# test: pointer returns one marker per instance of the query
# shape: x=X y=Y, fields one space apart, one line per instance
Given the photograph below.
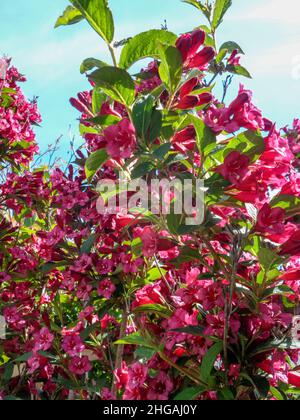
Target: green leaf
x=189 y=394
x=290 y=203
x=157 y=309
x=104 y=120
x=174 y=222
x=116 y=83
x=98 y=15
x=239 y=70
x=141 y=115
x=262 y=386
x=278 y=394
x=144 y=353
x=142 y=169
x=143 y=45
x=170 y=69
x=226 y=395
x=267 y=258
x=231 y=46
x=69 y=17
x=192 y=330
x=98 y=98
x=88 y=244
x=206 y=139
x=91 y=63
x=221 y=7
x=209 y=360
x=94 y=162
x=250 y=143
x=135 y=339
x=155 y=274
x=199 y=6
x=162 y=151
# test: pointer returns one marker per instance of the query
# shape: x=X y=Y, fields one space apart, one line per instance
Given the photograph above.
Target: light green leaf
x=170 y=69
x=230 y=46
x=69 y=17
x=116 y=83
x=239 y=70
x=221 y=7
x=159 y=310
x=249 y=143
x=94 y=162
x=91 y=63
x=290 y=203
x=145 y=44
x=135 y=339
x=206 y=139
x=98 y=15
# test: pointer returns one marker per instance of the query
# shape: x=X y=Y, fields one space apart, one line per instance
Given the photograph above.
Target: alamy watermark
x=2 y=328
x=3 y=68
x=159 y=197
x=296 y=330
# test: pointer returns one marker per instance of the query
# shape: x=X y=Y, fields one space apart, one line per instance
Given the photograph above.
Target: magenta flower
x=121 y=139
x=80 y=365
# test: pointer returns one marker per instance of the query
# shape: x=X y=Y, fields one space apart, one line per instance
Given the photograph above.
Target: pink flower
x=73 y=345
x=294 y=379
x=270 y=220
x=80 y=365
x=137 y=375
x=150 y=241
x=82 y=264
x=189 y=45
x=106 y=288
x=235 y=167
x=292 y=246
x=121 y=375
x=43 y=340
x=160 y=387
x=36 y=362
x=121 y=139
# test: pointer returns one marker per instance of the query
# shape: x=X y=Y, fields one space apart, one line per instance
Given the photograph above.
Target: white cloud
x=283 y=59
x=52 y=60
x=284 y=12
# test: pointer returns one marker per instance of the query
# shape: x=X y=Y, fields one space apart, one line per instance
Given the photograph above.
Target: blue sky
x=268 y=32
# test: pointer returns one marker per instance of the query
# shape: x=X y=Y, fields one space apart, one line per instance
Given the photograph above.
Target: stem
x=120 y=349
x=113 y=55
x=180 y=369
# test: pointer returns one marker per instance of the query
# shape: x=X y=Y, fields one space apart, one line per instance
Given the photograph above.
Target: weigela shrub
x=135 y=305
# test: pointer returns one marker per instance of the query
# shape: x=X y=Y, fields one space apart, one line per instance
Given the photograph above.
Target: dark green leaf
x=142 y=169
x=189 y=394
x=209 y=360
x=88 y=244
